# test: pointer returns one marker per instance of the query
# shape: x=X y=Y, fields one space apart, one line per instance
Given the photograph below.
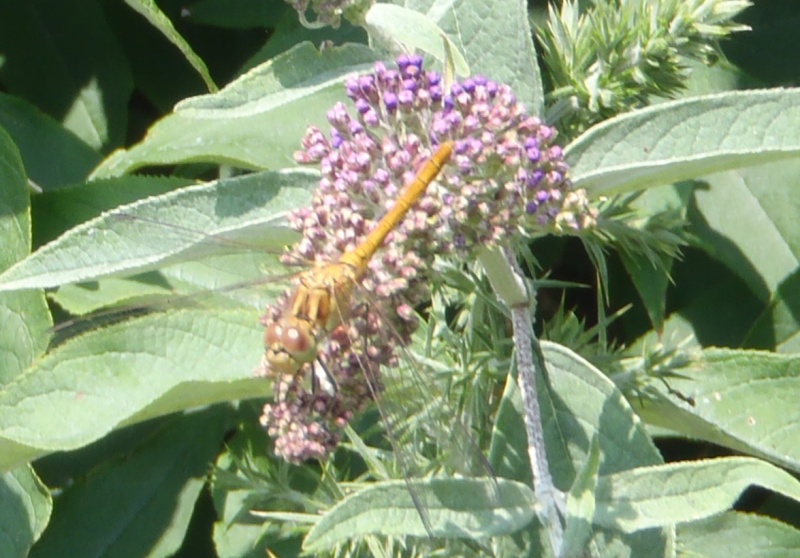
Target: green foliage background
x=112 y=110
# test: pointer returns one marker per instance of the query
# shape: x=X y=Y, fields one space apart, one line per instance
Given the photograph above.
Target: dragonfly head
x=289 y=343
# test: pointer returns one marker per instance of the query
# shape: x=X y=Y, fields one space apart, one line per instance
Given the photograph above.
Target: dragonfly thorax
x=318 y=306
x=323 y=296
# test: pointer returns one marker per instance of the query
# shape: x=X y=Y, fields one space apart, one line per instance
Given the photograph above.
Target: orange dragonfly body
x=321 y=300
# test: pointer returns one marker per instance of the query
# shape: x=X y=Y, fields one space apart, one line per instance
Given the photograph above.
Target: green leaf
x=744 y=400
x=679 y=492
x=24 y=316
x=457 y=508
x=257 y=121
x=194 y=222
x=684 y=139
x=766 y=251
x=497 y=42
x=135 y=370
x=578 y=404
x=56 y=211
x=141 y=504
x=25 y=511
x=239 y=279
x=778 y=324
x=738 y=534
x=413 y=30
x=160 y=363
x=156 y=17
x=581 y=505
x=765 y=254
x=38 y=136
x=63 y=58
x=23 y=336
x=711 y=304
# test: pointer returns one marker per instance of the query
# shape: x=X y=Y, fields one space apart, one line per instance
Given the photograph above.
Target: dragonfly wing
x=228 y=216
x=426 y=434
x=211 y=240
x=422 y=386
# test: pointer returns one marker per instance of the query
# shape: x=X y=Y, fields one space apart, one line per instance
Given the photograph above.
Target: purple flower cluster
x=505 y=175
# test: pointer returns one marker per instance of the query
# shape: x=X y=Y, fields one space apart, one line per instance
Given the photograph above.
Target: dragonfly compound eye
x=272 y=335
x=289 y=346
x=296 y=341
x=293 y=336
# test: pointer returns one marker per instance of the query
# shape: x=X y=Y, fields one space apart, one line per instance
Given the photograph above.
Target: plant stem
x=507 y=281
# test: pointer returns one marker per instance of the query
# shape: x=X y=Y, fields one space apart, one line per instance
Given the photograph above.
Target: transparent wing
x=215 y=240
x=187 y=225
x=420 y=396
x=426 y=433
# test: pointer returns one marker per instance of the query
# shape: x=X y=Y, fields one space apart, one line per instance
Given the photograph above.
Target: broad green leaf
x=578 y=403
x=140 y=505
x=685 y=139
x=64 y=58
x=257 y=121
x=126 y=373
x=160 y=21
x=458 y=508
x=496 y=40
x=61 y=469
x=55 y=212
x=26 y=503
x=738 y=534
x=242 y=279
x=711 y=305
x=38 y=136
x=24 y=513
x=581 y=505
x=778 y=324
x=198 y=221
x=412 y=30
x=657 y=496
x=748 y=220
x=23 y=315
x=744 y=400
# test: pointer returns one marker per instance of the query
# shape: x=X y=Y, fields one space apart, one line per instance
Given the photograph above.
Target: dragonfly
x=320 y=302
x=323 y=297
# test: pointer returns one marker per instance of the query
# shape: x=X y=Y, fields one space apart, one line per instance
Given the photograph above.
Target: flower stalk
x=507 y=281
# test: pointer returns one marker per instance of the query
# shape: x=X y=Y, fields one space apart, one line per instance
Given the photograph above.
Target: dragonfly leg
x=322 y=379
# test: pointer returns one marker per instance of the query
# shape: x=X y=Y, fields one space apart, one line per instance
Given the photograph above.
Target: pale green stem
x=507 y=281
